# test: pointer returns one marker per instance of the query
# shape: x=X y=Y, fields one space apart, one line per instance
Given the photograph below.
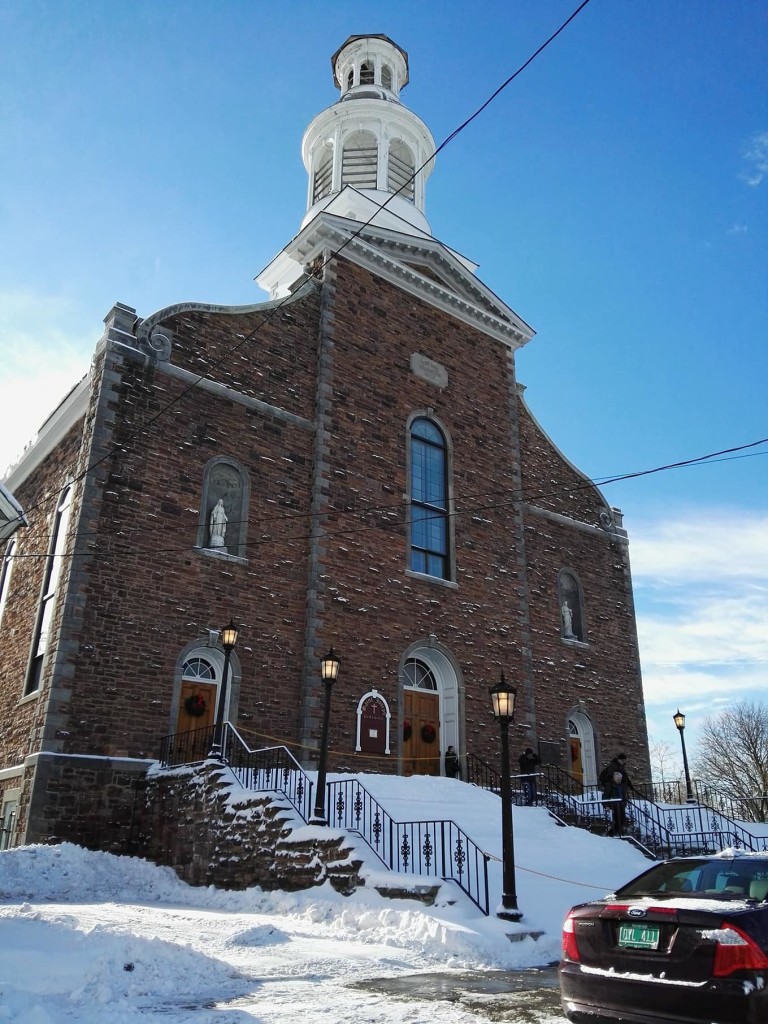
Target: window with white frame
x=418 y=676
x=6 y=571
x=52 y=572
x=8 y=816
x=429 y=526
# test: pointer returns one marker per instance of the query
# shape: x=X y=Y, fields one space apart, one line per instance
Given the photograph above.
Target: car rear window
x=745 y=877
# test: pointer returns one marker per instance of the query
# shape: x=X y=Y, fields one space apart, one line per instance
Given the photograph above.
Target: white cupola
x=362 y=151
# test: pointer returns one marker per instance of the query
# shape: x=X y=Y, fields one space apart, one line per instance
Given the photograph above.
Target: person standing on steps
x=529 y=762
x=452 y=764
x=616 y=786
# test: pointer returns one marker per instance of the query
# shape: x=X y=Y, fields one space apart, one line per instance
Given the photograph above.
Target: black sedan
x=684 y=943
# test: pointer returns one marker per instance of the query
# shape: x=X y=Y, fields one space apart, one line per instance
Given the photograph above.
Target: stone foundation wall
x=93 y=802
x=199 y=822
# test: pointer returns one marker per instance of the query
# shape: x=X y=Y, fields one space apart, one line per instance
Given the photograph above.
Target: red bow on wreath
x=428 y=732
x=407 y=729
x=195 y=705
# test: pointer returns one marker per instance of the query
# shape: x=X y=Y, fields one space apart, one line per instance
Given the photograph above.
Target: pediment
x=420 y=264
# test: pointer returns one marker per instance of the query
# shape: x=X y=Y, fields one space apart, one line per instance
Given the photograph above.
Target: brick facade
x=312 y=399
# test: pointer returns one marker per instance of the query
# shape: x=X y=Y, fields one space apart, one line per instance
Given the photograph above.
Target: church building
x=350 y=464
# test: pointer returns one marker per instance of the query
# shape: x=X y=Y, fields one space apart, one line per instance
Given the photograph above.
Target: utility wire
x=315 y=273
x=516 y=498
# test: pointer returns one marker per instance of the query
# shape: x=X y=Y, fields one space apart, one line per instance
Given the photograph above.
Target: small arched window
x=359 y=160
x=53 y=566
x=323 y=177
x=350 y=79
x=571 y=606
x=400 y=169
x=429 y=499
x=198 y=668
x=366 y=73
x=223 y=525
x=386 y=76
x=418 y=676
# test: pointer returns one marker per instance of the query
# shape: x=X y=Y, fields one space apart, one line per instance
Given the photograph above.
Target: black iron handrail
x=739 y=808
x=270 y=768
x=264 y=770
x=190 y=747
x=437 y=847
x=480 y=773
x=679 y=824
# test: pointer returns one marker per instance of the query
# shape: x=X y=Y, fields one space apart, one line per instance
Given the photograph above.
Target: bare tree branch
x=732 y=753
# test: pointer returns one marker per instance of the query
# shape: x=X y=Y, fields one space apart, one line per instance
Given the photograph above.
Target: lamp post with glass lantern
x=679 y=720
x=329 y=671
x=228 y=639
x=503 y=700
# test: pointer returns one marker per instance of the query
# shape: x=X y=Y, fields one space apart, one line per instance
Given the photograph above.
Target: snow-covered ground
x=96 y=939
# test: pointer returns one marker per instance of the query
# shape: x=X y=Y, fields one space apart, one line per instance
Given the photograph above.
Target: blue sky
x=615 y=195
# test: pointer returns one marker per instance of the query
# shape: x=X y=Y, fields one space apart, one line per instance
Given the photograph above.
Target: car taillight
x=570 y=949
x=736 y=952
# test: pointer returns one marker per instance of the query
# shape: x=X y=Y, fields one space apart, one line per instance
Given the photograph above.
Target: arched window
x=400 y=169
x=223 y=525
x=571 y=606
x=6 y=570
x=323 y=178
x=53 y=566
x=359 y=160
x=386 y=76
x=351 y=79
x=429 y=500
x=418 y=675
x=198 y=668
x=366 y=73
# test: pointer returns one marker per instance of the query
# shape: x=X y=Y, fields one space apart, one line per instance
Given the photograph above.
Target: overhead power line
x=270 y=314
x=330 y=534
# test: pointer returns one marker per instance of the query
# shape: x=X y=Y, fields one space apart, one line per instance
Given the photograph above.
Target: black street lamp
x=679 y=720
x=228 y=638
x=329 y=671
x=503 y=698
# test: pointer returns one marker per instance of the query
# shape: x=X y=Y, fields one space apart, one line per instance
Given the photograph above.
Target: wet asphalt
x=525 y=997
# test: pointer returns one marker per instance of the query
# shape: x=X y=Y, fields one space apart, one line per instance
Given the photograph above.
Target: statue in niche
x=217 y=525
x=567 y=614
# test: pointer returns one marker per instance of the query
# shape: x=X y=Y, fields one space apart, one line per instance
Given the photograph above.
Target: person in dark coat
x=529 y=762
x=616 y=785
x=452 y=764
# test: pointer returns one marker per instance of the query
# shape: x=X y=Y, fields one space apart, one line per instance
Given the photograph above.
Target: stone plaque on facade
x=429 y=370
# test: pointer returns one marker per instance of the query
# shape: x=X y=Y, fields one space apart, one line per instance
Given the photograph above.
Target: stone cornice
x=607 y=529
x=145 y=328
x=388 y=254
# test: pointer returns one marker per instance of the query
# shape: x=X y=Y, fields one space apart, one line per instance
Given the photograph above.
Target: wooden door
x=420 y=755
x=206 y=693
x=577 y=768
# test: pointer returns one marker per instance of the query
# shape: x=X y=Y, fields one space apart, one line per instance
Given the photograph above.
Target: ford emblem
x=636 y=912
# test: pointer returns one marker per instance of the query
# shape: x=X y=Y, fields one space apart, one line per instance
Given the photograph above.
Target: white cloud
x=756 y=159
x=714 y=545
x=737 y=229
x=701 y=592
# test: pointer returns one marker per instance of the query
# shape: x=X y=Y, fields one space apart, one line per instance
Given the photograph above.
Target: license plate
x=639 y=936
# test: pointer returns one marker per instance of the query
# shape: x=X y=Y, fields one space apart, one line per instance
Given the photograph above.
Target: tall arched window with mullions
x=429 y=520
x=51 y=573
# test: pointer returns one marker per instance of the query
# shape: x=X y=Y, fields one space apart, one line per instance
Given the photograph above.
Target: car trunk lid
x=670 y=940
